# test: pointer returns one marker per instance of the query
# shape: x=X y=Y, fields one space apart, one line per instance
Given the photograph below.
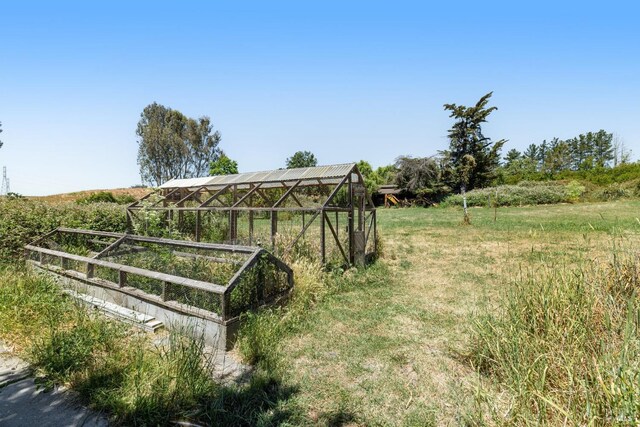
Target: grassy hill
x=72 y=197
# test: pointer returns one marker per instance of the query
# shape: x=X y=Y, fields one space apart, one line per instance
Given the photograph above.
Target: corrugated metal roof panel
x=318 y=172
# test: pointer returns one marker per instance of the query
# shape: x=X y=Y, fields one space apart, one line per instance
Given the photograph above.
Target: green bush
x=610 y=192
x=23 y=220
x=106 y=197
x=525 y=193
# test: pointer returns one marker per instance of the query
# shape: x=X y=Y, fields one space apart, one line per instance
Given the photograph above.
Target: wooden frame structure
x=317 y=194
x=49 y=256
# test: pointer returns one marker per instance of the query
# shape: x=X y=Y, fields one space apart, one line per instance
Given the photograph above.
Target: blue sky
x=345 y=80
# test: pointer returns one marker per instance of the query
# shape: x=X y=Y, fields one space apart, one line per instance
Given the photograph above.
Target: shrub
x=525 y=193
x=23 y=220
x=609 y=193
x=106 y=197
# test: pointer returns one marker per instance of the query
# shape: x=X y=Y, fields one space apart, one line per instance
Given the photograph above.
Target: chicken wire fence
x=223 y=280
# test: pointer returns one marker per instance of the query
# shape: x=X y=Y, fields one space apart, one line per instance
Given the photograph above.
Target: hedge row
x=23 y=220
x=525 y=193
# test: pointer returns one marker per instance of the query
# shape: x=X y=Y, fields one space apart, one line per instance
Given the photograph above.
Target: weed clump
x=566 y=345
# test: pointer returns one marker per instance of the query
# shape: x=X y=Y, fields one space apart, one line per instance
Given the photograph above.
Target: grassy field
x=392 y=348
x=395 y=344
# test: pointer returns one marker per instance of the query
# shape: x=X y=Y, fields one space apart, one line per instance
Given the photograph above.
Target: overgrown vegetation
x=106 y=197
x=564 y=343
x=391 y=344
x=23 y=220
x=525 y=193
x=120 y=371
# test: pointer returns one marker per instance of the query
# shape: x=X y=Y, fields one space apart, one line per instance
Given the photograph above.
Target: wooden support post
x=323 y=248
x=165 y=285
x=90 y=270
x=233 y=219
x=122 y=278
x=351 y=220
x=224 y=309
x=274 y=228
x=250 y=228
x=198 y=220
x=375 y=234
x=129 y=222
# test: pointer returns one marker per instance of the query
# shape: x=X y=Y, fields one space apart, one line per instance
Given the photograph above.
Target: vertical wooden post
x=323 y=249
x=250 y=228
x=375 y=234
x=224 y=309
x=90 y=270
x=233 y=218
x=198 y=220
x=122 y=278
x=351 y=220
x=274 y=228
x=129 y=222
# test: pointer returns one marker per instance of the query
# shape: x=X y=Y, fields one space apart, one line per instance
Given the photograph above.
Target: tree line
x=172 y=145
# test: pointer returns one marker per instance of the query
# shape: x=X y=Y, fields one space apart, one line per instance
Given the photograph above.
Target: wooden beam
x=246 y=196
x=188 y=196
x=215 y=196
x=110 y=247
x=286 y=194
x=164 y=198
x=178 y=280
x=304 y=229
x=335 y=190
x=335 y=236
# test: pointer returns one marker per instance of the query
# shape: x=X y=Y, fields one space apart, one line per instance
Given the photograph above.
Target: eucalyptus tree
x=172 y=145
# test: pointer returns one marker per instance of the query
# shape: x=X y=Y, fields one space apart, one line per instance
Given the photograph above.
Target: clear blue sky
x=345 y=80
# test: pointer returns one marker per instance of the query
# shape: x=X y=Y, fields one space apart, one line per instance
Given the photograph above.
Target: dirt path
x=23 y=403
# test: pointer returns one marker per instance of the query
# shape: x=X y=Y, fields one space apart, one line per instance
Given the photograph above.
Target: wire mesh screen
x=186 y=274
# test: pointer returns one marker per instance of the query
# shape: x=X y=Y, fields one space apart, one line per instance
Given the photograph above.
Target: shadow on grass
x=262 y=401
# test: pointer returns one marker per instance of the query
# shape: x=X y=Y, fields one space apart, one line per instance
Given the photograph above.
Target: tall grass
x=565 y=345
x=120 y=371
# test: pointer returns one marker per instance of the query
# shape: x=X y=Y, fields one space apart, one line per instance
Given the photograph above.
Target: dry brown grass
x=72 y=197
x=391 y=352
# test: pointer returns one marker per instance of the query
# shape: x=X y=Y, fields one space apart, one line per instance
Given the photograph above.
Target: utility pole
x=5 y=189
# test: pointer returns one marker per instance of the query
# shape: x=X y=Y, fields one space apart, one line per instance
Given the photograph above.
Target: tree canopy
x=0 y=132
x=416 y=174
x=472 y=158
x=584 y=152
x=302 y=159
x=171 y=145
x=223 y=166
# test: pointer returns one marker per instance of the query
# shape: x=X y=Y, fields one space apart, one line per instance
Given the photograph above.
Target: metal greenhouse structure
x=320 y=211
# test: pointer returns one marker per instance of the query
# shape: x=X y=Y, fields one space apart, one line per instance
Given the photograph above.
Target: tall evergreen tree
x=531 y=153
x=603 y=150
x=466 y=139
x=512 y=157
